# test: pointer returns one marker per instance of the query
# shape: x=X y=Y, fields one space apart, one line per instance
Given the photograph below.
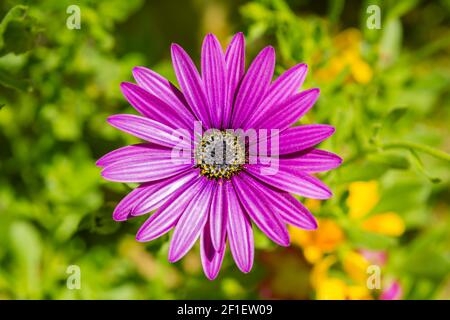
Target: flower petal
x=294 y=181
x=393 y=292
x=235 y=62
x=149 y=196
x=163 y=89
x=191 y=223
x=239 y=230
x=137 y=150
x=164 y=190
x=254 y=202
x=303 y=137
x=284 y=114
x=150 y=130
x=166 y=217
x=280 y=90
x=145 y=169
x=191 y=84
x=254 y=86
x=153 y=107
x=218 y=217
x=214 y=77
x=289 y=208
x=312 y=161
x=211 y=259
x=123 y=209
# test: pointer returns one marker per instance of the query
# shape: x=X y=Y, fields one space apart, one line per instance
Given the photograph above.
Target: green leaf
x=9 y=81
x=363 y=171
x=394 y=161
x=27 y=247
x=335 y=8
x=420 y=166
x=17 y=31
x=395 y=115
x=401 y=8
x=368 y=240
x=391 y=41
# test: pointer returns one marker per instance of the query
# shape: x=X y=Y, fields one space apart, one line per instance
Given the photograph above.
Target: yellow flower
x=317 y=242
x=363 y=197
x=332 y=288
x=347 y=45
x=348 y=39
x=355 y=265
x=358 y=292
x=313 y=204
x=361 y=71
x=388 y=223
x=320 y=270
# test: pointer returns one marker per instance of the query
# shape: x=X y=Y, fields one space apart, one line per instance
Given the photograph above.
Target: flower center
x=220 y=154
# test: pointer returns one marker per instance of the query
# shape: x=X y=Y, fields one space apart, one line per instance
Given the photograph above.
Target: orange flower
x=318 y=242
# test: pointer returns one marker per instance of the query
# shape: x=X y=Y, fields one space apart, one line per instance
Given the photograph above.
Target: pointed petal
x=134 y=151
x=214 y=77
x=280 y=90
x=167 y=216
x=164 y=90
x=191 y=84
x=235 y=61
x=312 y=161
x=149 y=130
x=286 y=113
x=211 y=259
x=289 y=208
x=294 y=181
x=303 y=137
x=145 y=169
x=258 y=209
x=218 y=217
x=149 y=196
x=254 y=86
x=239 y=230
x=153 y=107
x=191 y=223
x=123 y=209
x=162 y=191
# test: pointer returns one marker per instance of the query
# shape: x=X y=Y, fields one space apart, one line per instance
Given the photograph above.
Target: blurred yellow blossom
x=318 y=242
x=356 y=266
x=388 y=223
x=347 y=45
x=320 y=270
x=313 y=204
x=363 y=197
x=333 y=288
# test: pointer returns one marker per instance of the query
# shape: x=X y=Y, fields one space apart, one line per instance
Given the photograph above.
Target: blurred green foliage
x=57 y=86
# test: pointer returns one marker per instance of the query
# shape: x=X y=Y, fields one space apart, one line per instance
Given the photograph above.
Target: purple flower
x=197 y=193
x=393 y=292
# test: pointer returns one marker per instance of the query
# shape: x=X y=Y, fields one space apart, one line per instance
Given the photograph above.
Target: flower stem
x=419 y=147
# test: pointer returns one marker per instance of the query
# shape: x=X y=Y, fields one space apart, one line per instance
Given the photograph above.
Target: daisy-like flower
x=218 y=191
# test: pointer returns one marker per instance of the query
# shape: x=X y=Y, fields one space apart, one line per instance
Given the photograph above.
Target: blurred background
x=385 y=90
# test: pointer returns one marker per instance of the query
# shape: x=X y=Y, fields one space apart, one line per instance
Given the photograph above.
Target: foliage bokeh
x=385 y=90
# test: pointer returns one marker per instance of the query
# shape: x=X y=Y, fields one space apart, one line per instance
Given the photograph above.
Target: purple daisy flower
x=218 y=191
